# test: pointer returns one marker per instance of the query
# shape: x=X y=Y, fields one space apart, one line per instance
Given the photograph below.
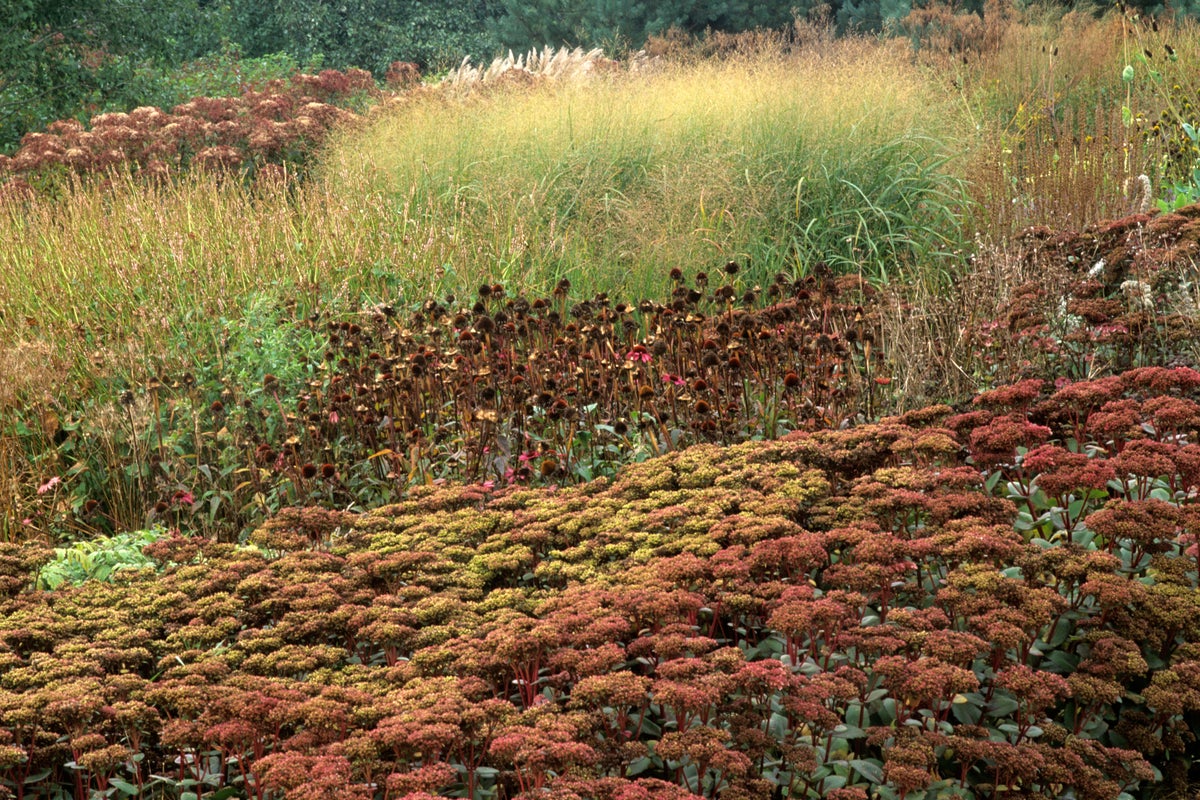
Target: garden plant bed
x=708 y=423
x=983 y=603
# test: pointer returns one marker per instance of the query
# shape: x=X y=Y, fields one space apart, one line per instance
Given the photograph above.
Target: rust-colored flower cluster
x=545 y=390
x=278 y=124
x=498 y=388
x=838 y=613
x=1123 y=296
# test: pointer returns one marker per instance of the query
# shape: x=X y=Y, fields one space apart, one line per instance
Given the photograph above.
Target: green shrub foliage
x=59 y=59
x=538 y=23
x=74 y=59
x=981 y=604
x=368 y=34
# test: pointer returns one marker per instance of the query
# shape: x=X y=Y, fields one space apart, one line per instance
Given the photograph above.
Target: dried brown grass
x=943 y=39
x=30 y=370
x=814 y=34
x=1041 y=111
x=928 y=331
x=1066 y=180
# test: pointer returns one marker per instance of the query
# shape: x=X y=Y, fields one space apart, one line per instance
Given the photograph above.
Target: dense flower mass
x=498 y=389
x=877 y=611
x=277 y=125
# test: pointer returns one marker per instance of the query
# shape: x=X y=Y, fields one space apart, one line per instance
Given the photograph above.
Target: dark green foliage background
x=51 y=62
x=617 y=23
x=77 y=58
x=74 y=58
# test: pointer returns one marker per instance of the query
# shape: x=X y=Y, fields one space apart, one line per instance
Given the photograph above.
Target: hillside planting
x=762 y=416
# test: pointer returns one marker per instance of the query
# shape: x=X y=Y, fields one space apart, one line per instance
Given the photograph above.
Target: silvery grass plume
x=552 y=63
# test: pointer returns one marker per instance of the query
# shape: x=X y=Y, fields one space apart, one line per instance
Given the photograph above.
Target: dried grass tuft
x=29 y=370
x=561 y=64
x=928 y=330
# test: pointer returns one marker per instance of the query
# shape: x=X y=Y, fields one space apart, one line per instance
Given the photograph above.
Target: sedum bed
x=998 y=601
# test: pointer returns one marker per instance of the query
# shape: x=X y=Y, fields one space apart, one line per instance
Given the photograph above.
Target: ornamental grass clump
x=858 y=613
x=772 y=159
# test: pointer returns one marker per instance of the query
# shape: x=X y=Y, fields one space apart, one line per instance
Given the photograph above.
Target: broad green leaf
x=1002 y=705
x=850 y=732
x=1063 y=662
x=967 y=713
x=871 y=769
x=833 y=782
x=126 y=787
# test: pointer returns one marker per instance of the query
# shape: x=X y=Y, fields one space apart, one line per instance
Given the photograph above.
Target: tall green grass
x=120 y=277
x=778 y=162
